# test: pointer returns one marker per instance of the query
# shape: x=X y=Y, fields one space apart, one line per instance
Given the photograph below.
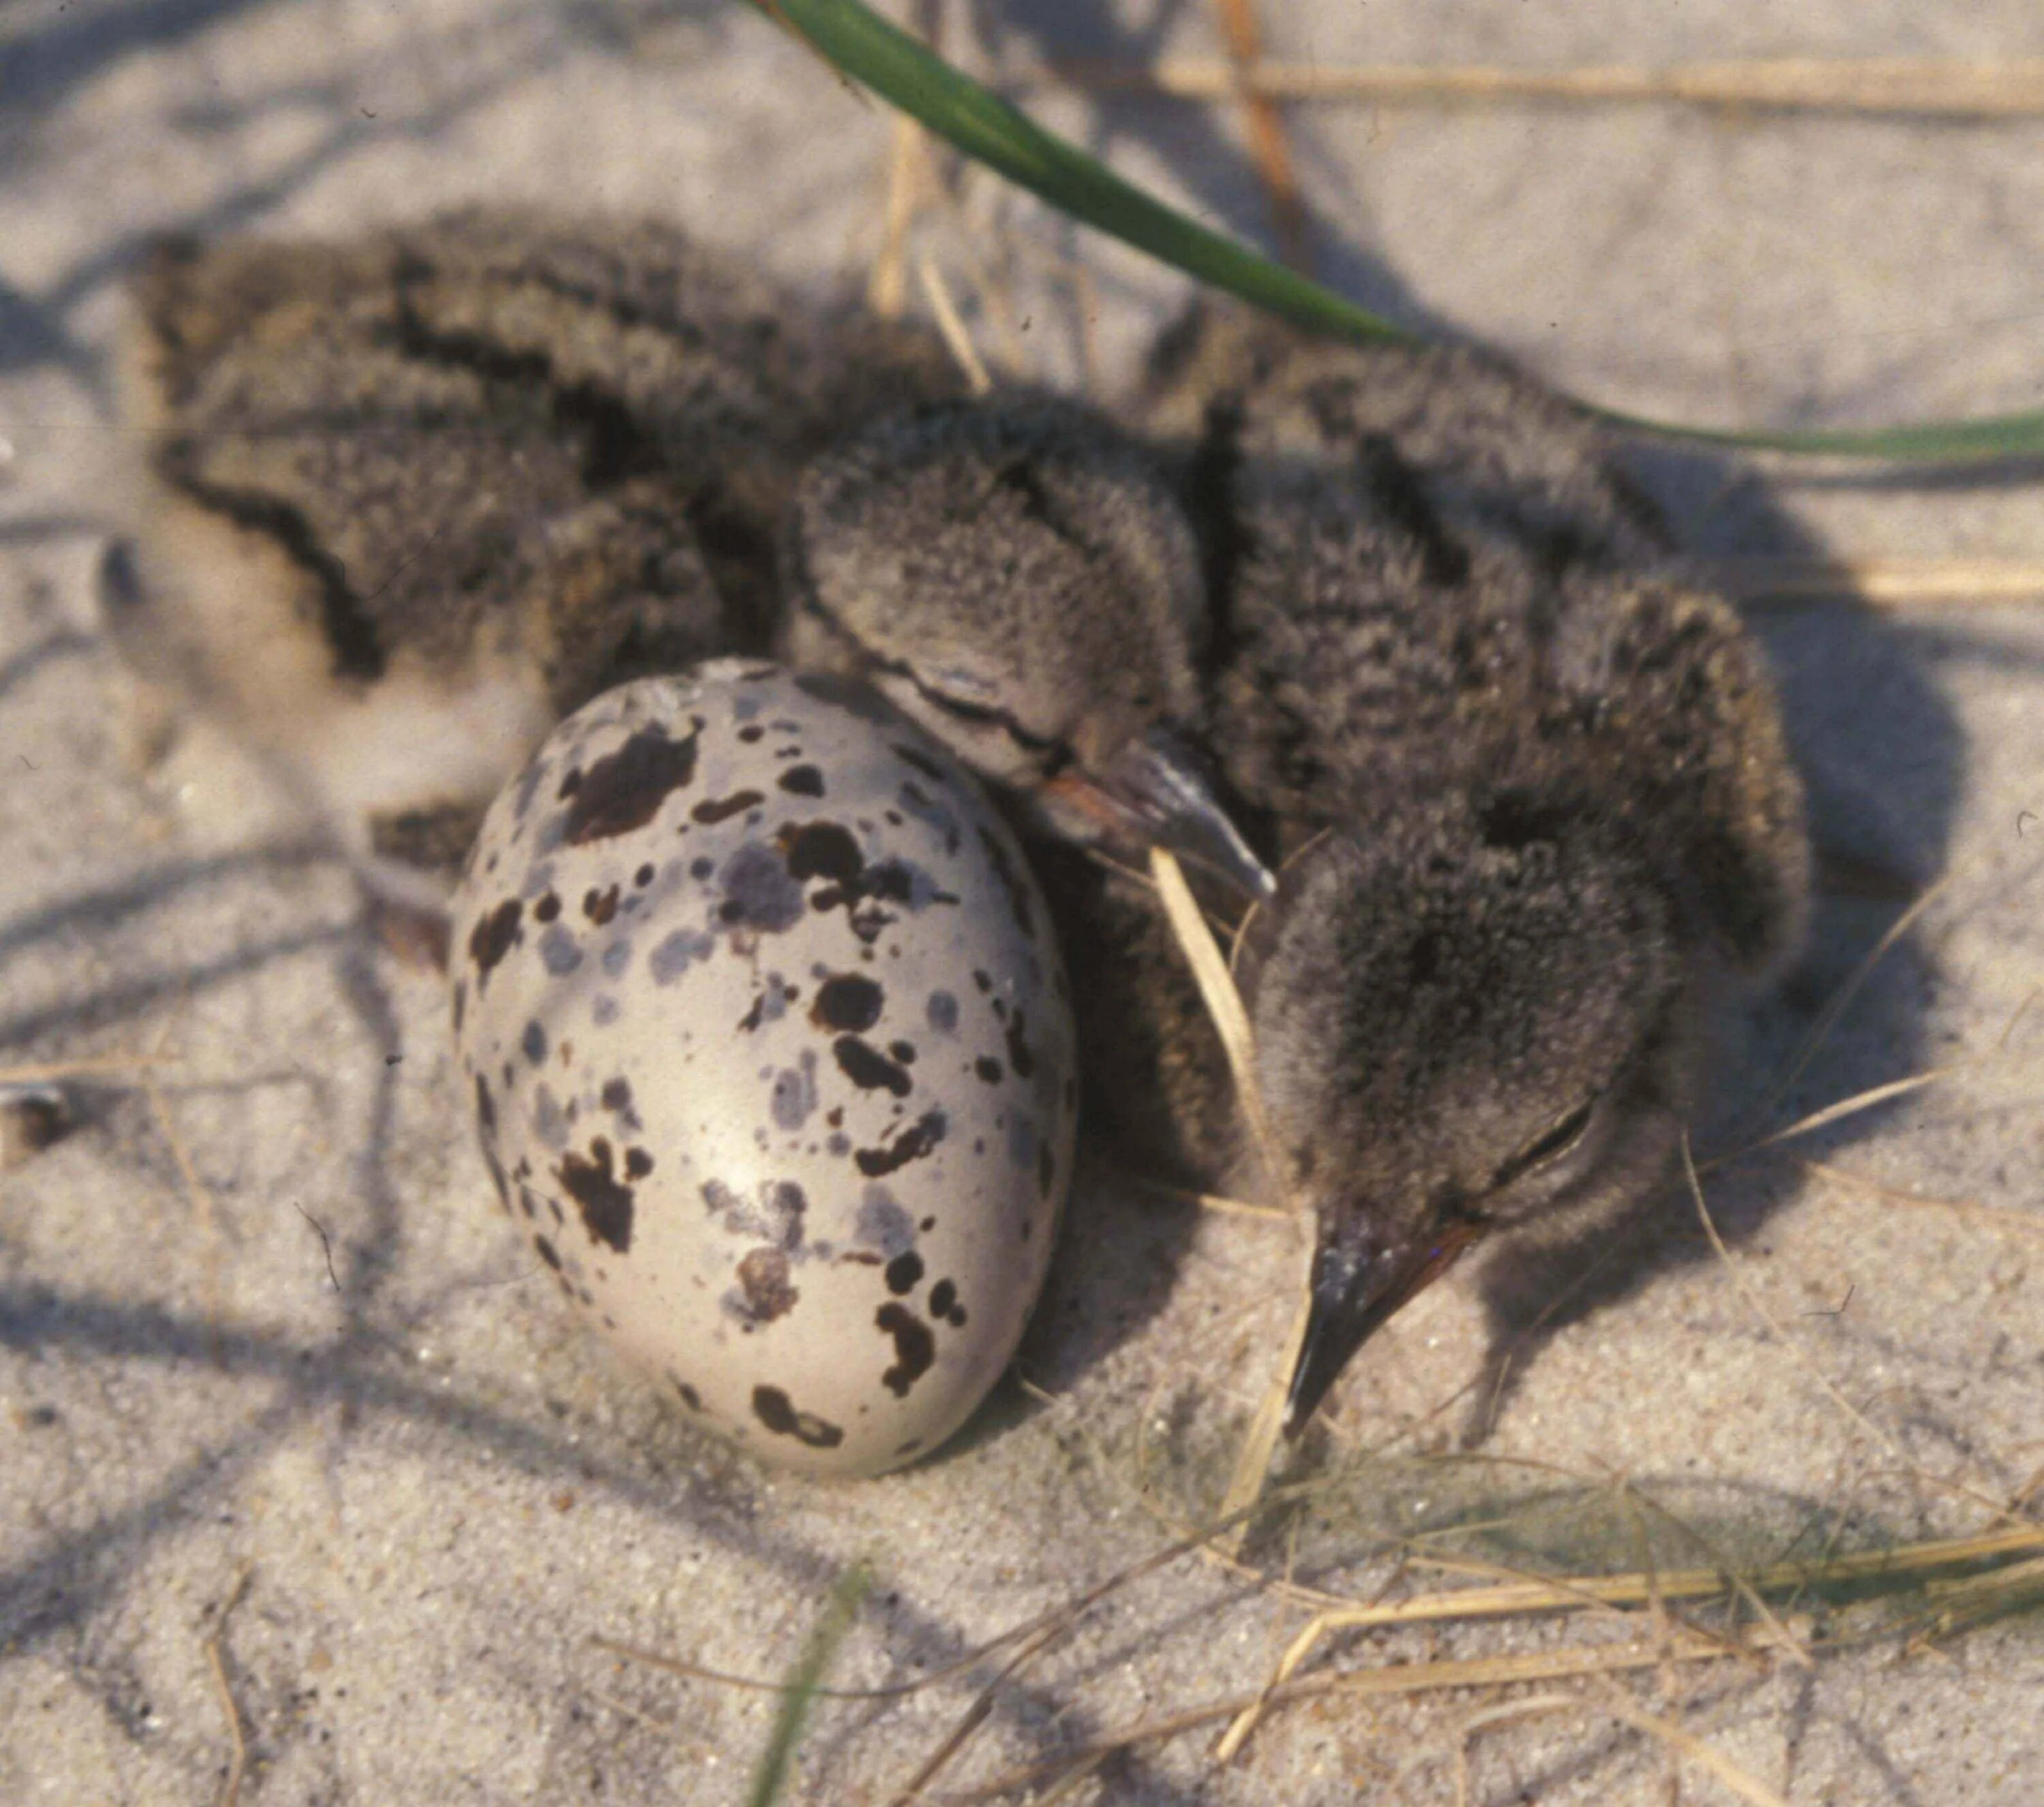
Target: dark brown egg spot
x=763 y=1276
x=903 y=1052
x=751 y=732
x=848 y=1002
x=625 y=790
x=689 y=1397
x=821 y=850
x=915 y=1348
x=486 y=1106
x=494 y=936
x=1019 y=1055
x=547 y=908
x=904 y=1273
x=773 y=1409
x=911 y=1144
x=600 y=906
x=802 y=781
x=868 y=1068
x=988 y=1069
x=617 y=1095
x=943 y=1297
x=638 y=1163
x=721 y=809
x=546 y=1253
x=643 y=876
x=606 y=1202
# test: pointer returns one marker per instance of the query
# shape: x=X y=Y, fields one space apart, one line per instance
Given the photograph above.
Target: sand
x=289 y=1419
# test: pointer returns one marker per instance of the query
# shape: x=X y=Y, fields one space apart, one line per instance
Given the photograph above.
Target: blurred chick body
x=405 y=500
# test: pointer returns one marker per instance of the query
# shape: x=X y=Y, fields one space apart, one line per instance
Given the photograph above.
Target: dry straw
x=2012 y=89
x=1230 y=1020
x=237 y=1762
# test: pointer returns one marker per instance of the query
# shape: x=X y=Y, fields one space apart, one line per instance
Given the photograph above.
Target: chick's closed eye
x=1564 y=1138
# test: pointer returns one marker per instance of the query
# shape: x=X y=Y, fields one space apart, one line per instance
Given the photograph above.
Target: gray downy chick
x=1018 y=575
x=1533 y=786
x=406 y=499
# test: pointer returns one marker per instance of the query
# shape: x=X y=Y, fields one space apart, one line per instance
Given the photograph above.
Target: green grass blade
x=800 y=1688
x=866 y=48
x=1925 y=442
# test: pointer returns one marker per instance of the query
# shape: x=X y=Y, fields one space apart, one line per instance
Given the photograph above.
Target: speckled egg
x=772 y=1055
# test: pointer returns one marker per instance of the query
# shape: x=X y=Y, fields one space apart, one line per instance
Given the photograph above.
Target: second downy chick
x=406 y=499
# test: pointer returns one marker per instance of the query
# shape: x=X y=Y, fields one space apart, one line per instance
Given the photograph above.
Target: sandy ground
x=287 y=1417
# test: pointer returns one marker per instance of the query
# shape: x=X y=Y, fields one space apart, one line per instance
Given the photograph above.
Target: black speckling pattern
x=493 y=937
x=605 y=1201
x=870 y=1070
x=835 y=1143
x=919 y=1139
x=915 y=1348
x=772 y=1408
x=848 y=1002
x=625 y=790
x=713 y=810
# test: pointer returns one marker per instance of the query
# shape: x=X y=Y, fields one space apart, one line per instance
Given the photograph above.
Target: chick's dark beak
x=1354 y=1294
x=1156 y=790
